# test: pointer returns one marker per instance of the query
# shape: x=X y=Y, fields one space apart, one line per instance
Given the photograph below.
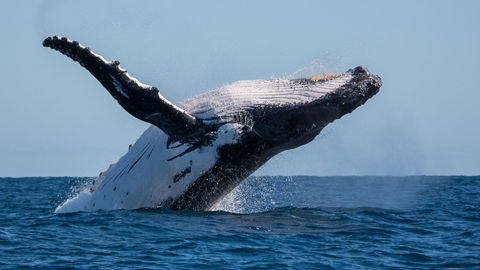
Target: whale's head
x=286 y=113
x=321 y=100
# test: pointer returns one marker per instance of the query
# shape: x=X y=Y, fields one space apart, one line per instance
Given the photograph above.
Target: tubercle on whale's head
x=346 y=98
x=299 y=124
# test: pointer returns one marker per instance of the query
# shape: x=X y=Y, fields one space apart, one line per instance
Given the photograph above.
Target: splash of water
x=320 y=65
x=258 y=194
x=77 y=198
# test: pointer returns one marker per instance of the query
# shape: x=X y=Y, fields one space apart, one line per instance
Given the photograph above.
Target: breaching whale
x=196 y=153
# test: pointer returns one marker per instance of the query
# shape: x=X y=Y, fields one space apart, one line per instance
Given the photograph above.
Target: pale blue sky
x=56 y=119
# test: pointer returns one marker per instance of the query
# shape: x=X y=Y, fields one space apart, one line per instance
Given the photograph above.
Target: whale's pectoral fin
x=142 y=101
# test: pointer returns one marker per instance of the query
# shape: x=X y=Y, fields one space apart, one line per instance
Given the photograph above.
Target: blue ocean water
x=266 y=223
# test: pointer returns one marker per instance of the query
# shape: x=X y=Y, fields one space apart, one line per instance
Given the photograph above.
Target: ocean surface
x=302 y=222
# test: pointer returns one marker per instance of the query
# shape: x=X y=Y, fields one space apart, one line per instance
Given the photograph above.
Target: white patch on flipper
x=118 y=86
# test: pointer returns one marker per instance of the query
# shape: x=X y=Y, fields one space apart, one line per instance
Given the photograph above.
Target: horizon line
x=297 y=175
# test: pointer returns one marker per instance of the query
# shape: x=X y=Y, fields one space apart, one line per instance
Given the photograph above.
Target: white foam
x=75 y=204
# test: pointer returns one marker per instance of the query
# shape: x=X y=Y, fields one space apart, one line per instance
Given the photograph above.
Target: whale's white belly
x=150 y=173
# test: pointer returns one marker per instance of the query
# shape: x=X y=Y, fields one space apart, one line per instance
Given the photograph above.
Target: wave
x=264 y=194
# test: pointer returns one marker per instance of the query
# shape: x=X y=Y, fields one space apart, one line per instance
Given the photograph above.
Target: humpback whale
x=195 y=153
